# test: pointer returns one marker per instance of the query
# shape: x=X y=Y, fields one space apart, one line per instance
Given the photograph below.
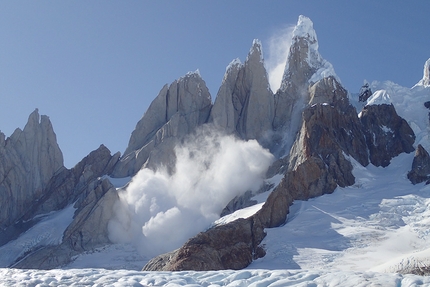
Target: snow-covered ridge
x=380 y=97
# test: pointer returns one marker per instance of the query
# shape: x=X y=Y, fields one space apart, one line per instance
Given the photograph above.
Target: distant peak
x=195 y=73
x=426 y=74
x=425 y=81
x=256 y=49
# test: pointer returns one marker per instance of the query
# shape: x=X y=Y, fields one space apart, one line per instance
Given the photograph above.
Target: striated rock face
x=244 y=104
x=387 y=134
x=93 y=199
x=88 y=229
x=29 y=159
x=420 y=171
x=69 y=186
x=176 y=111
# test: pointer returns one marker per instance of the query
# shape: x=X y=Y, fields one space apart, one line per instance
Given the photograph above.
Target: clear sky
x=94 y=66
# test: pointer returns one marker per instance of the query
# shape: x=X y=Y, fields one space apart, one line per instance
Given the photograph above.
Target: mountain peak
x=305 y=29
x=304 y=63
x=425 y=81
x=256 y=51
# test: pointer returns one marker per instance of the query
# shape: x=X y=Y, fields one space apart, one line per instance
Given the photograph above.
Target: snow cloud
x=279 y=45
x=159 y=211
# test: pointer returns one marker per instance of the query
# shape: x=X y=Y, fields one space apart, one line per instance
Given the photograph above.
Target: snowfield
x=229 y=278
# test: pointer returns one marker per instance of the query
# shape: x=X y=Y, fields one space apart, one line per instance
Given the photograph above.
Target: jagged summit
x=425 y=81
x=305 y=29
x=244 y=103
x=305 y=64
x=256 y=50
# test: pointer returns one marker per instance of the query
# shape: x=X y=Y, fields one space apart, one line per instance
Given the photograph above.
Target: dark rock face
x=229 y=246
x=387 y=134
x=365 y=93
x=420 y=166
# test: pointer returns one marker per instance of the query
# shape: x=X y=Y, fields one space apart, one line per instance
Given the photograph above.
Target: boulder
x=420 y=171
x=230 y=246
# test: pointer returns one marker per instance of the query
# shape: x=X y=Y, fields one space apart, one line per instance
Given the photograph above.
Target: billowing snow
x=380 y=97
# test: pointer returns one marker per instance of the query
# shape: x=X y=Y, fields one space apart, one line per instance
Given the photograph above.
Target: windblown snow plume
x=279 y=46
x=158 y=212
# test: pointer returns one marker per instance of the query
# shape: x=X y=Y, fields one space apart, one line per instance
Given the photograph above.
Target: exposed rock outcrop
x=93 y=198
x=387 y=134
x=229 y=246
x=420 y=171
x=244 y=104
x=29 y=159
x=87 y=231
x=177 y=110
x=365 y=93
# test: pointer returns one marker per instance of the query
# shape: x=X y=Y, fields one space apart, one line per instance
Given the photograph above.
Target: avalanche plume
x=157 y=212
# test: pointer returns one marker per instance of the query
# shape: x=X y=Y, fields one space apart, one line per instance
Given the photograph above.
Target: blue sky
x=94 y=66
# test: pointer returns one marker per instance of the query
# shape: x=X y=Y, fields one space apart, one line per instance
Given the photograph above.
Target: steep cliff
x=177 y=111
x=29 y=159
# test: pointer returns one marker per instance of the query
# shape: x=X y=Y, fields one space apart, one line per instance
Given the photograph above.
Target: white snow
x=380 y=97
x=227 y=278
x=425 y=81
x=382 y=218
x=325 y=70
